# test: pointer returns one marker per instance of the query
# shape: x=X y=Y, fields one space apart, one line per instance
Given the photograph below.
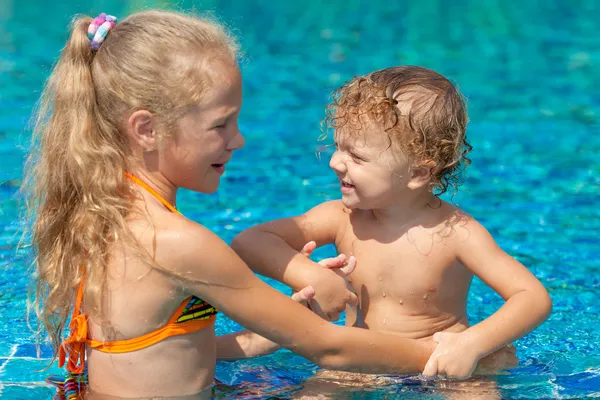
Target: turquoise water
x=530 y=70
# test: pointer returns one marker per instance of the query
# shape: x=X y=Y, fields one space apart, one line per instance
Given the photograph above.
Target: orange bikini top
x=192 y=315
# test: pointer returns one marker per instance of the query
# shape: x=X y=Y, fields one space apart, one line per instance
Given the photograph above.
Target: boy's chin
x=350 y=203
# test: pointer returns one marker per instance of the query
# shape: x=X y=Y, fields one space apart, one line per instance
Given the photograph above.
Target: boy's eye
x=356 y=158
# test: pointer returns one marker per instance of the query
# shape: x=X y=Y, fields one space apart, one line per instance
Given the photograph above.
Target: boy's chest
x=411 y=267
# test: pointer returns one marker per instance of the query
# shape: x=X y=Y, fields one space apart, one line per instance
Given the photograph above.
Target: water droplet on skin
x=384 y=321
x=424 y=296
x=380 y=279
x=401 y=301
x=384 y=294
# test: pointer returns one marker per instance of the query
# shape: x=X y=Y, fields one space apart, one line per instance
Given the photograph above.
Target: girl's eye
x=221 y=125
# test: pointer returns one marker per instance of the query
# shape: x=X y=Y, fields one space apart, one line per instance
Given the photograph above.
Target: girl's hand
x=331 y=287
x=456 y=357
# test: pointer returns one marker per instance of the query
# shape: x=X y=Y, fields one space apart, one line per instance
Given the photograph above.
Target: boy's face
x=373 y=172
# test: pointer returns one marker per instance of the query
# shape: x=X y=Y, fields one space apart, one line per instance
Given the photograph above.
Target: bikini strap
x=73 y=346
x=153 y=192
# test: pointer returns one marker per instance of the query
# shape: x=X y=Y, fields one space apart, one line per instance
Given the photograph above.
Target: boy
x=400 y=143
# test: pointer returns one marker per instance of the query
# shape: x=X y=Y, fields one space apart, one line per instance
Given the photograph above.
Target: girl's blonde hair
x=77 y=196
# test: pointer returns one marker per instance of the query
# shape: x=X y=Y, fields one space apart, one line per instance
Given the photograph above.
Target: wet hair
x=419 y=109
x=77 y=196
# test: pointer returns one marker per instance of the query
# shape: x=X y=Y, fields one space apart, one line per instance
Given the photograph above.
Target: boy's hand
x=332 y=293
x=455 y=357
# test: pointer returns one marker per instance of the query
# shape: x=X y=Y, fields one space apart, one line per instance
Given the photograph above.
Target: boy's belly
x=385 y=316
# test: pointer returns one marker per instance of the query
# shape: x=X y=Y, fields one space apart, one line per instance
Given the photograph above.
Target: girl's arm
x=246 y=344
x=214 y=272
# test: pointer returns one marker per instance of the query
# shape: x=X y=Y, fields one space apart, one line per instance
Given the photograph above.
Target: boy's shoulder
x=443 y=220
x=331 y=216
x=332 y=205
x=455 y=224
x=331 y=209
x=450 y=213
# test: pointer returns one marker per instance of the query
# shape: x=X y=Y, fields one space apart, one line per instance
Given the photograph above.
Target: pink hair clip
x=99 y=28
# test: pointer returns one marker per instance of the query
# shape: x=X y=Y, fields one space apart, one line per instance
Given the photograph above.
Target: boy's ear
x=140 y=128
x=420 y=175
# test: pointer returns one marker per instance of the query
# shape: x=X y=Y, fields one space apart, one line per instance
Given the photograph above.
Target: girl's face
x=196 y=156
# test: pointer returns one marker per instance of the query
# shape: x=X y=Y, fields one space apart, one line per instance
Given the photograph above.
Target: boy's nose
x=337 y=163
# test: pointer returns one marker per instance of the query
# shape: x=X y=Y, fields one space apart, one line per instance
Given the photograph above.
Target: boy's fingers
x=349 y=267
x=308 y=248
x=352 y=300
x=334 y=262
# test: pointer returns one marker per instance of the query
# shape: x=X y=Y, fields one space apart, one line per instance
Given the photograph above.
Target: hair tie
x=99 y=28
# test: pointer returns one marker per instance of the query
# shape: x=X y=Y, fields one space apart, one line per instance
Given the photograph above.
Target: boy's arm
x=243 y=344
x=527 y=304
x=273 y=249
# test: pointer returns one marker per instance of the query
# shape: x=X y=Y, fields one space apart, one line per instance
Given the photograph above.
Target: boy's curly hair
x=418 y=109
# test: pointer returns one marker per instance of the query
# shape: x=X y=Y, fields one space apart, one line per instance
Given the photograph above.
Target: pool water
x=530 y=70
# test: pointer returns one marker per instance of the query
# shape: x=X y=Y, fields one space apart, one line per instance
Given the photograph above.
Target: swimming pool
x=530 y=71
